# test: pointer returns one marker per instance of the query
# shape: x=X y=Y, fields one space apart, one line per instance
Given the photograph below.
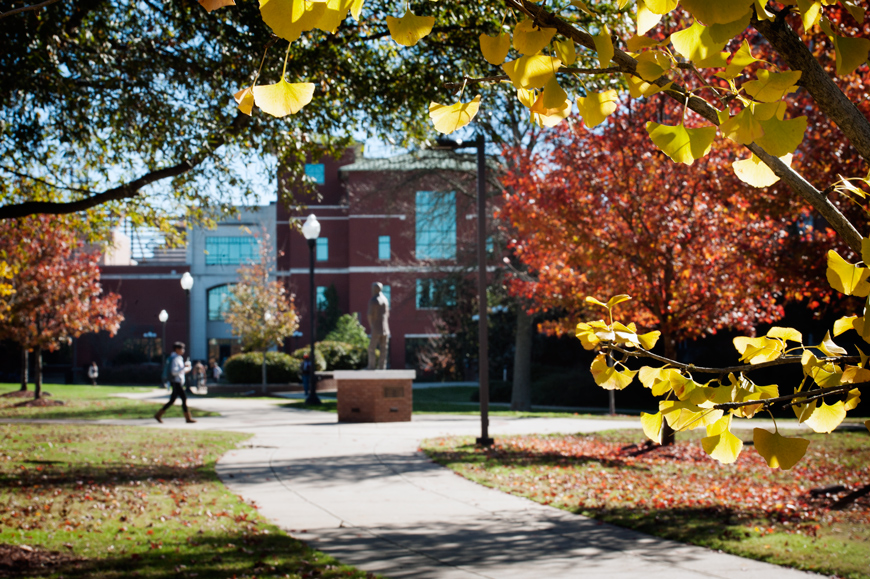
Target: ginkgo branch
x=844 y=228
x=805 y=396
x=641 y=353
x=127 y=190
x=27 y=8
x=454 y=85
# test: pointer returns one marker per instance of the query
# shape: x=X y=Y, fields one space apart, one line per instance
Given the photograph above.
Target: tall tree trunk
x=264 y=371
x=521 y=393
x=37 y=389
x=24 y=363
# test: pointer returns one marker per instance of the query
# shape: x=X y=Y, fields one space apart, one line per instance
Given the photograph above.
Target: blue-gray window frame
x=435 y=225
x=321 y=249
x=231 y=250
x=383 y=247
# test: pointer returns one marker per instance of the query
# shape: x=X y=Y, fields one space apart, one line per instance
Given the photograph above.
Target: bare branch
x=807 y=396
x=127 y=190
x=27 y=8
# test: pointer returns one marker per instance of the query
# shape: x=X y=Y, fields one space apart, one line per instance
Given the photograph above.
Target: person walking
x=178 y=370
x=93 y=373
x=306 y=373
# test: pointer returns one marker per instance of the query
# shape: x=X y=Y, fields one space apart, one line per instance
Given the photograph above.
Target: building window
x=383 y=247
x=436 y=225
x=322 y=246
x=386 y=292
x=315 y=172
x=435 y=293
x=230 y=250
x=218 y=300
x=321 y=301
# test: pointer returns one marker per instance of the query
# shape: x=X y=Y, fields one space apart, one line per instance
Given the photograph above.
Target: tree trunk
x=668 y=435
x=521 y=393
x=37 y=389
x=24 y=363
x=264 y=371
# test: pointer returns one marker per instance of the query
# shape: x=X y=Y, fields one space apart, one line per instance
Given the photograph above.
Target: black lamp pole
x=312 y=383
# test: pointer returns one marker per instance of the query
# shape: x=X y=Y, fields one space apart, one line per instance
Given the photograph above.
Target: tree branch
x=628 y=65
x=828 y=96
x=27 y=8
x=808 y=396
x=641 y=353
x=127 y=190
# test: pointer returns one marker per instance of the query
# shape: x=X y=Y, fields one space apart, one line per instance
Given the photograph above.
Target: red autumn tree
x=57 y=292
x=610 y=214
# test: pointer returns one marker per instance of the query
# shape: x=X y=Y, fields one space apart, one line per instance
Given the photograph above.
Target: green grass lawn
x=132 y=502
x=679 y=493
x=89 y=403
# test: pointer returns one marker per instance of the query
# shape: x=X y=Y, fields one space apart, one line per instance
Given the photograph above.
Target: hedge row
x=282 y=368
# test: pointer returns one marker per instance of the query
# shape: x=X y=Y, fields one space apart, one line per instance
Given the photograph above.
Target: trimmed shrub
x=349 y=330
x=336 y=356
x=246 y=368
x=319 y=360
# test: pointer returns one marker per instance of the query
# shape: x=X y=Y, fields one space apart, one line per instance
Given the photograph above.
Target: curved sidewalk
x=365 y=494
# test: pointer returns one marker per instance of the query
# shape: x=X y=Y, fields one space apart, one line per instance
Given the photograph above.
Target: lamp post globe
x=187 y=282
x=311 y=230
x=163 y=316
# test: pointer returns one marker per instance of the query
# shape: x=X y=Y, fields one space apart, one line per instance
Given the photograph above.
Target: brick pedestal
x=374 y=395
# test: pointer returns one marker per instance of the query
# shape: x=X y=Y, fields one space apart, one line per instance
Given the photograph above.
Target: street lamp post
x=187 y=285
x=311 y=230
x=482 y=329
x=163 y=316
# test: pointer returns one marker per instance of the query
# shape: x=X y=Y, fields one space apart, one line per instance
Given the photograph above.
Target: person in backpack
x=178 y=369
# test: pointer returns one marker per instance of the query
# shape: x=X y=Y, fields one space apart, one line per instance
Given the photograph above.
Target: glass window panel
x=435 y=293
x=316 y=172
x=322 y=249
x=218 y=299
x=384 y=247
x=436 y=225
x=230 y=250
x=321 y=297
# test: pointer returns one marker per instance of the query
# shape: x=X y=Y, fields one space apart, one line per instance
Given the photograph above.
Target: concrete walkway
x=365 y=494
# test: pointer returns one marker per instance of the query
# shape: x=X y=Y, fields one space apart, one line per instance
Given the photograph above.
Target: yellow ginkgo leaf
x=531 y=71
x=855 y=10
x=597 y=106
x=284 y=17
x=553 y=99
x=830 y=348
x=851 y=53
x=826 y=418
x=596 y=301
x=283 y=98
x=772 y=86
x=648 y=340
x=777 y=450
x=758 y=350
x=652 y=426
x=695 y=44
x=811 y=11
x=637 y=87
x=865 y=250
x=683 y=415
x=608 y=377
x=652 y=64
x=681 y=144
x=604 y=46
x=586 y=334
x=495 y=48
x=529 y=39
x=718 y=11
x=356 y=8
x=448 y=118
x=743 y=128
x=566 y=52
x=753 y=171
x=789 y=334
x=781 y=137
x=210 y=5
x=245 y=100
x=553 y=116
x=741 y=59
x=855 y=375
x=637 y=43
x=646 y=18
x=327 y=15
x=845 y=324
x=847 y=278
x=720 y=444
x=660 y=6
x=410 y=28
x=618 y=300
x=853 y=398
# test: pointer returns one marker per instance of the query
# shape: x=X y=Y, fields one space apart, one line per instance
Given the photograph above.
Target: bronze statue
x=379 y=316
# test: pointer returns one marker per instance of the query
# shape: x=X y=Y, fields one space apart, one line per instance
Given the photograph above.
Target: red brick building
x=403 y=221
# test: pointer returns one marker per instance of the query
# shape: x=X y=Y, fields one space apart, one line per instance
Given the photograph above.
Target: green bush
x=319 y=360
x=246 y=368
x=349 y=330
x=336 y=356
